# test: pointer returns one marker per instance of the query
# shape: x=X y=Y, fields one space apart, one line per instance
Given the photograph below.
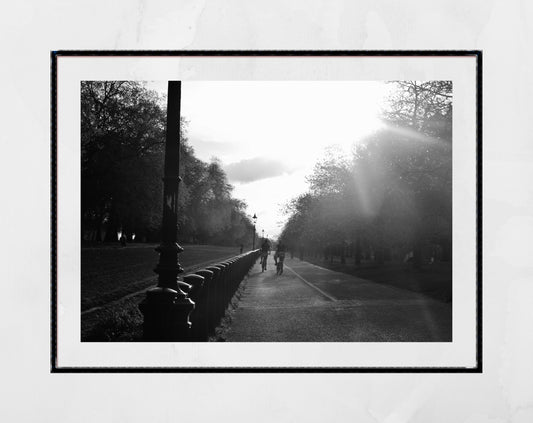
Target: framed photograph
x=266 y=211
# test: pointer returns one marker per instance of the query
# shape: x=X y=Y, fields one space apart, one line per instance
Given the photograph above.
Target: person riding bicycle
x=265 y=251
x=279 y=257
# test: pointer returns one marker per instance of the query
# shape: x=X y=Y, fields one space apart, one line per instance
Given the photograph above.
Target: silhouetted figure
x=280 y=251
x=279 y=257
x=123 y=240
x=265 y=251
x=241 y=248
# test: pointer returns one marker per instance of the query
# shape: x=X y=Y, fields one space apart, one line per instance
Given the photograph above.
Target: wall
x=502 y=29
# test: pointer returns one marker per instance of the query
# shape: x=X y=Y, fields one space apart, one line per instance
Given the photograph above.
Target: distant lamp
x=254 y=218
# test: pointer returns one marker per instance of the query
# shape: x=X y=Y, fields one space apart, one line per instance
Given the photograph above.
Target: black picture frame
x=477 y=54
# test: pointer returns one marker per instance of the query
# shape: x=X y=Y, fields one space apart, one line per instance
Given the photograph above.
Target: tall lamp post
x=263 y=234
x=166 y=307
x=254 y=218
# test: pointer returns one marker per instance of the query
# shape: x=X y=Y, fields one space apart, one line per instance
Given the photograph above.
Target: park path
x=314 y=304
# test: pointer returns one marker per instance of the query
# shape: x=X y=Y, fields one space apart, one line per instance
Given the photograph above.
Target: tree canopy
x=393 y=195
x=123 y=128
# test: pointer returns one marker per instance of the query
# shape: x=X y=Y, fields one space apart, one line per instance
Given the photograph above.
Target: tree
x=121 y=157
x=123 y=128
x=422 y=106
x=394 y=194
x=425 y=108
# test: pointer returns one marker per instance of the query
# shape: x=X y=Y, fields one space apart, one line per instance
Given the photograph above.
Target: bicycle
x=279 y=264
x=263 y=262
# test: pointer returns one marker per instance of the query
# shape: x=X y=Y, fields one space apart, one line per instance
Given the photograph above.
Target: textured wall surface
x=502 y=29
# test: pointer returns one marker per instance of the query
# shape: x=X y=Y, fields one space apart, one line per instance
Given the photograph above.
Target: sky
x=268 y=135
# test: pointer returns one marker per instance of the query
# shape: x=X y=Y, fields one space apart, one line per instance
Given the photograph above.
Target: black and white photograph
x=306 y=211
x=270 y=215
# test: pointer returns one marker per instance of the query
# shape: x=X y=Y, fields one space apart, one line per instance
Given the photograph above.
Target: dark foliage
x=122 y=151
x=393 y=196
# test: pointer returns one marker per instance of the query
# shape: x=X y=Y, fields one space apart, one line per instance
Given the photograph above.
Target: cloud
x=255 y=169
x=204 y=148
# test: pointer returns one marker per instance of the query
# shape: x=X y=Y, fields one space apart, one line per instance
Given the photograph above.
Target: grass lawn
x=110 y=273
x=434 y=280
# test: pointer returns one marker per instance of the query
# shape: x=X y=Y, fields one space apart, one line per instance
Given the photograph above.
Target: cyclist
x=279 y=257
x=265 y=251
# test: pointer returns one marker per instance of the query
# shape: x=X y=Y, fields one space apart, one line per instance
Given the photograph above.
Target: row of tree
x=122 y=153
x=392 y=197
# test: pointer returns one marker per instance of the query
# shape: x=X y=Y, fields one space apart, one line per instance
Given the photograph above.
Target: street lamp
x=263 y=234
x=254 y=218
x=166 y=307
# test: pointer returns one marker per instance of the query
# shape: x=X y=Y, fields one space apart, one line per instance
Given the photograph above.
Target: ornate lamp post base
x=166 y=315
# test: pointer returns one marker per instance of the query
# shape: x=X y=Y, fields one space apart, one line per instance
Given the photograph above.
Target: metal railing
x=210 y=290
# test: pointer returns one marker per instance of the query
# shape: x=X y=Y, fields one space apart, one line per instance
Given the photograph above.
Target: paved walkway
x=310 y=303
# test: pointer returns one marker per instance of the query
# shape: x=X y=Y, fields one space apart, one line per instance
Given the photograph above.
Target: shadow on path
x=309 y=303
